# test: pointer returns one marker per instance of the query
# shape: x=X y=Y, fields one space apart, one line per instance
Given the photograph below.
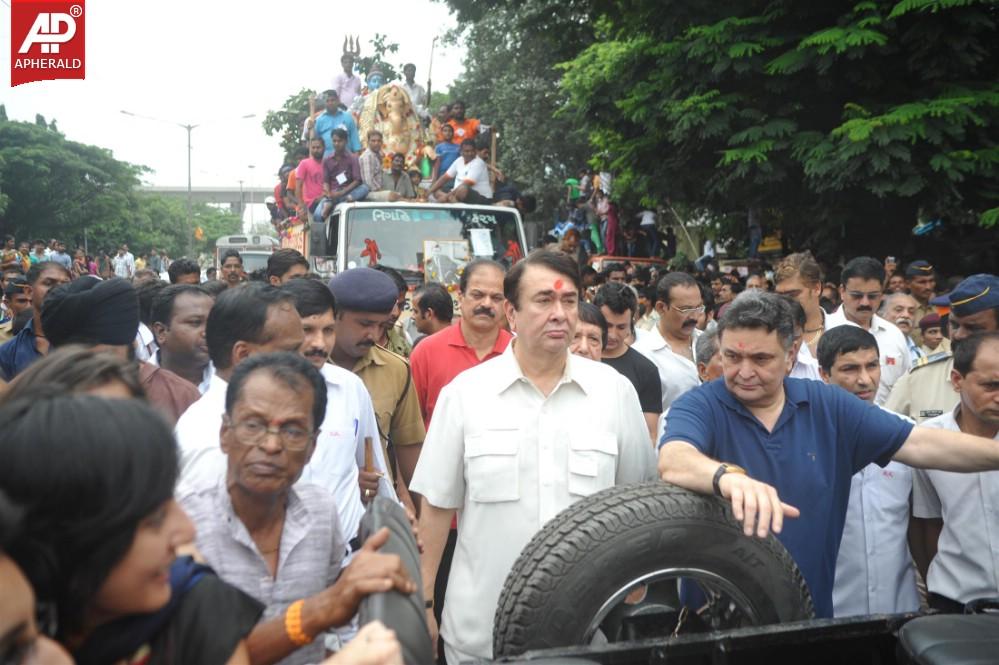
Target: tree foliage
x=837 y=118
x=56 y=188
x=511 y=82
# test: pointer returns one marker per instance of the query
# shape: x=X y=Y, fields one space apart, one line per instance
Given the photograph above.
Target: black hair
x=301 y=151
x=671 y=280
x=558 y=262
x=10 y=523
x=459 y=101
x=468 y=142
x=331 y=92
x=340 y=133
x=530 y=202
x=434 y=296
x=862 y=267
x=375 y=132
x=36 y=270
x=400 y=282
x=590 y=313
x=291 y=369
x=214 y=287
x=161 y=310
x=474 y=265
x=966 y=352
x=74 y=368
x=146 y=291
x=240 y=314
x=843 y=339
x=183 y=266
x=707 y=297
x=617 y=297
x=614 y=267
x=311 y=297
x=283 y=260
x=759 y=309
x=228 y=254
x=83 y=505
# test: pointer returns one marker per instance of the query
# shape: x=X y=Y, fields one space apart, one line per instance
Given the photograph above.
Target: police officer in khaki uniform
x=365 y=299
x=920 y=280
x=926 y=391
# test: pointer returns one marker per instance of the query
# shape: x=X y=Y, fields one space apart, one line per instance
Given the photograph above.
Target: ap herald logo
x=46 y=41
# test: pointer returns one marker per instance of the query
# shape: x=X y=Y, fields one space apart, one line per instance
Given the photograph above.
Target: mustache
x=485 y=311
x=689 y=322
x=865 y=308
x=315 y=353
x=903 y=319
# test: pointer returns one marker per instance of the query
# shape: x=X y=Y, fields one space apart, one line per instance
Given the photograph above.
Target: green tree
x=844 y=123
x=287 y=122
x=381 y=48
x=511 y=83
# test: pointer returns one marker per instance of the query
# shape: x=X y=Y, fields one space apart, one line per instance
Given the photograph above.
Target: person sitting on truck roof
x=447 y=152
x=471 y=179
x=371 y=162
x=341 y=177
x=232 y=268
x=286 y=264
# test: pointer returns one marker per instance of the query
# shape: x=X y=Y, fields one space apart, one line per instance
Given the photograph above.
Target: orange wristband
x=293 y=624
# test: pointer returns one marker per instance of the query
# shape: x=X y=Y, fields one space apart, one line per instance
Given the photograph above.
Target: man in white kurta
x=514 y=441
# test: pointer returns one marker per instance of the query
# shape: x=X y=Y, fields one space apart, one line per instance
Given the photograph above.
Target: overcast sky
x=210 y=62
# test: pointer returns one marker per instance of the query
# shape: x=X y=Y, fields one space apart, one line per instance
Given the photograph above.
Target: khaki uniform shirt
x=926 y=391
x=5 y=334
x=387 y=377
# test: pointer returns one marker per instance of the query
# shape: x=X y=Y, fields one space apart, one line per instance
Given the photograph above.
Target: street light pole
x=189 y=128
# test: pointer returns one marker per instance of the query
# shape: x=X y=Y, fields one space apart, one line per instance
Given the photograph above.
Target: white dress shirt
x=895 y=358
x=677 y=373
x=509 y=459
x=340 y=446
x=874 y=571
x=806 y=366
x=145 y=343
x=966 y=566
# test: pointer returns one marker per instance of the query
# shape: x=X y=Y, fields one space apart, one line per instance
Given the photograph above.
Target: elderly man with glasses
x=861 y=288
x=670 y=345
x=275 y=540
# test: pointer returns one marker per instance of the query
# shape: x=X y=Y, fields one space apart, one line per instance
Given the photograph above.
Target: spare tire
x=571 y=578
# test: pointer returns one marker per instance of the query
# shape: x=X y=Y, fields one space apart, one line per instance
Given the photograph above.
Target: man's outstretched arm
x=755 y=504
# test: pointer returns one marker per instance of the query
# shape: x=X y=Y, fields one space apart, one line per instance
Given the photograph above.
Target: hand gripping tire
x=609 y=542
x=406 y=615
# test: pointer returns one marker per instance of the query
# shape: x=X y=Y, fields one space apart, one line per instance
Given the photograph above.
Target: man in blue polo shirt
x=30 y=344
x=335 y=118
x=789 y=447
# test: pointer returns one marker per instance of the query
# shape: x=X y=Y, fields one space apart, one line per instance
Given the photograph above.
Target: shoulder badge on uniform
x=931 y=359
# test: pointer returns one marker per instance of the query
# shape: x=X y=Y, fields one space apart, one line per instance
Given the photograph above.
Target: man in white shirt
x=339 y=459
x=670 y=345
x=471 y=179
x=254 y=318
x=805 y=365
x=874 y=571
x=417 y=94
x=861 y=289
x=123 y=263
x=514 y=441
x=960 y=534
x=900 y=309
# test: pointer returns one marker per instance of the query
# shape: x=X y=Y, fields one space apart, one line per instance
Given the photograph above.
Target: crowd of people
x=210 y=447
x=332 y=166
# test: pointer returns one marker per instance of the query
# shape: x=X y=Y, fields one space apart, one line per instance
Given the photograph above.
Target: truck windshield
x=436 y=242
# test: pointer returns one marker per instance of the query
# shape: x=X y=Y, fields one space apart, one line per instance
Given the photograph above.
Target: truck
x=423 y=241
x=253 y=248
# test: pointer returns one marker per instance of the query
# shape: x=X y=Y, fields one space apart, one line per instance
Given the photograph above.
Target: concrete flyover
x=235 y=197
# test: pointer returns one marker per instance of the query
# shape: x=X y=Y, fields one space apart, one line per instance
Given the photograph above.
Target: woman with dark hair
x=95 y=478
x=21 y=640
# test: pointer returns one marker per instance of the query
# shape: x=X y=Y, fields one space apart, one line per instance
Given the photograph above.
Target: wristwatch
x=722 y=470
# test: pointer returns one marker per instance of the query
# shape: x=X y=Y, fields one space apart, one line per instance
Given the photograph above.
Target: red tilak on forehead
x=740 y=345
x=558 y=284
